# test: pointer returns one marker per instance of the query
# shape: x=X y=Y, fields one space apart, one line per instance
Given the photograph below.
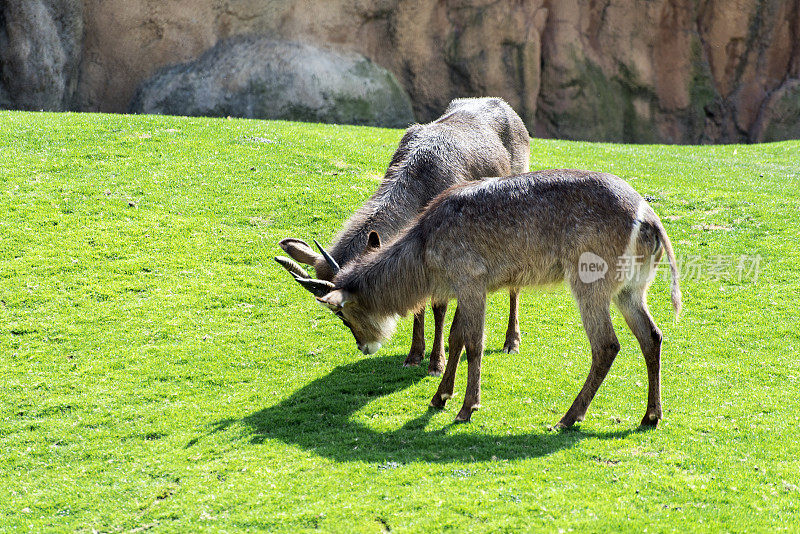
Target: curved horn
x=319 y=288
x=328 y=258
x=291 y=266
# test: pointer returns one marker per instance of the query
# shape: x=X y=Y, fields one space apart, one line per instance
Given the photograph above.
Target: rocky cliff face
x=676 y=71
x=40 y=50
x=666 y=70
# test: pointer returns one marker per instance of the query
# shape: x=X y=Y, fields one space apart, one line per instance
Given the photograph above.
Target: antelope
x=532 y=229
x=474 y=138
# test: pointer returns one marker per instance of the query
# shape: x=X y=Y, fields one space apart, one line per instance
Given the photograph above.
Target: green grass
x=160 y=372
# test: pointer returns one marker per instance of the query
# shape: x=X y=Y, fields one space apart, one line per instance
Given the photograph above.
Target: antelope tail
x=675 y=290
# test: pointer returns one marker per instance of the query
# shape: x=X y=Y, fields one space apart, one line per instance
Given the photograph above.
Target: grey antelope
x=528 y=230
x=474 y=138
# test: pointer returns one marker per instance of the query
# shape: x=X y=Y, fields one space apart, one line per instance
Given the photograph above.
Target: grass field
x=161 y=373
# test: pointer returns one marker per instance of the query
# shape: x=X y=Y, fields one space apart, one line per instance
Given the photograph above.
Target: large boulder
x=5 y=100
x=40 y=52
x=780 y=116
x=267 y=79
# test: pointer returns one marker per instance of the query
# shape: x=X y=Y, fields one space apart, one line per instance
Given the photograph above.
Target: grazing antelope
x=476 y=137
x=590 y=229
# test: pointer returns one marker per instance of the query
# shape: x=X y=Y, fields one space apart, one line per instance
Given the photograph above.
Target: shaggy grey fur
x=474 y=138
x=526 y=230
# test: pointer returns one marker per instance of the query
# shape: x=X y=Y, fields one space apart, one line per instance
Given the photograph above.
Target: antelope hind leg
x=605 y=346
x=633 y=307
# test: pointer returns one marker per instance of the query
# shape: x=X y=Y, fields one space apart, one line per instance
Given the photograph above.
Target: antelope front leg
x=436 y=365
x=472 y=326
x=417 y=351
x=472 y=396
x=447 y=384
x=513 y=337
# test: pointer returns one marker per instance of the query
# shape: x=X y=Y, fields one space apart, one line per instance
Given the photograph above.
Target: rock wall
x=665 y=70
x=675 y=71
x=40 y=50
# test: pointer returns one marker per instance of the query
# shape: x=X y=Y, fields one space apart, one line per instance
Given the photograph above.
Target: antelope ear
x=336 y=299
x=374 y=240
x=300 y=251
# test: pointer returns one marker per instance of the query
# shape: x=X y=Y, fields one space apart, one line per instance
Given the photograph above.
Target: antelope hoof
x=463 y=417
x=465 y=414
x=650 y=420
x=435 y=368
x=439 y=400
x=511 y=346
x=561 y=425
x=413 y=359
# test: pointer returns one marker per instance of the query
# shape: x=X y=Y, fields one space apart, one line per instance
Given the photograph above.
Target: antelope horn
x=292 y=266
x=319 y=288
x=328 y=258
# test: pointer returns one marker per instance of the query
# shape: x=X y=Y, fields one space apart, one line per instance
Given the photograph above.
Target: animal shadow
x=318 y=418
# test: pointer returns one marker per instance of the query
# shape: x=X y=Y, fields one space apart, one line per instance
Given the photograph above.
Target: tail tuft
x=675 y=295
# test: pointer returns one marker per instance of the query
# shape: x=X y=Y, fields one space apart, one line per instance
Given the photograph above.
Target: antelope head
x=367 y=329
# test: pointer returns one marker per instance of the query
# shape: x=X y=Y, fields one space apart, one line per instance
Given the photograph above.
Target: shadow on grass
x=318 y=418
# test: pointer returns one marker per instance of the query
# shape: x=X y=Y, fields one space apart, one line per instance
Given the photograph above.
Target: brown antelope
x=590 y=229
x=476 y=137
